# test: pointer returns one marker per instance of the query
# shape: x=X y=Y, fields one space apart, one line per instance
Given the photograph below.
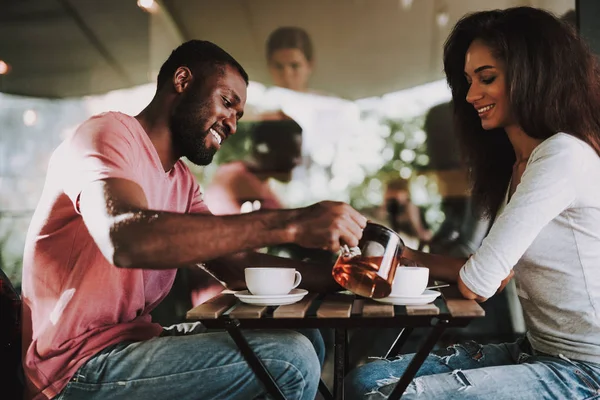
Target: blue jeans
x=472 y=371
x=186 y=363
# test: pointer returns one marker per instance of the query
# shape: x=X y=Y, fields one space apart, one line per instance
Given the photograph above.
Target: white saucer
x=426 y=297
x=274 y=300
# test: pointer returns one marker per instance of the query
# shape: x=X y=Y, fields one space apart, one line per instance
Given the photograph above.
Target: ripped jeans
x=472 y=371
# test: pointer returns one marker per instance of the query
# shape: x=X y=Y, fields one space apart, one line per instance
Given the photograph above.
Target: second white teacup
x=410 y=281
x=271 y=281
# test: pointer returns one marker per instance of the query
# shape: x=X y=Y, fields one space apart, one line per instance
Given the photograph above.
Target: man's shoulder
x=108 y=121
x=114 y=129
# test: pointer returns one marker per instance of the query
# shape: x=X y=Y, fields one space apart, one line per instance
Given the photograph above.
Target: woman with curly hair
x=526 y=93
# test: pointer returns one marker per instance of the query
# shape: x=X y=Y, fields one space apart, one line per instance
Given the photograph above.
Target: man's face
x=207 y=114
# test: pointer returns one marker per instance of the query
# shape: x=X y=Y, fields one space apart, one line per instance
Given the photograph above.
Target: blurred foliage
x=404 y=156
x=235 y=148
x=10 y=263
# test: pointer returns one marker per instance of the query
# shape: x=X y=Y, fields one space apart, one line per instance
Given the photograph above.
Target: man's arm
x=116 y=213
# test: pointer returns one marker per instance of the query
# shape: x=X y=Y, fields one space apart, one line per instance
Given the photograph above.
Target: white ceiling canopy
x=63 y=48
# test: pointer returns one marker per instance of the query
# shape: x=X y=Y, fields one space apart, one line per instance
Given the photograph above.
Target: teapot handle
x=347 y=252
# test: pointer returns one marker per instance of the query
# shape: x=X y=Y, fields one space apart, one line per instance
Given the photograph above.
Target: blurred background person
x=462 y=230
x=243 y=186
x=404 y=216
x=290 y=58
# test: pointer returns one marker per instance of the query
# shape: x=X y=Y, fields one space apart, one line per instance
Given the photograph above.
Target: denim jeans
x=472 y=371
x=185 y=364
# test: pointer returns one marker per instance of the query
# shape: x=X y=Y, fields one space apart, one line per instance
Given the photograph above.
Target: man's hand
x=328 y=225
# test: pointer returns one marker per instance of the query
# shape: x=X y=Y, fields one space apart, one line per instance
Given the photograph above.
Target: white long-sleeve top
x=549 y=232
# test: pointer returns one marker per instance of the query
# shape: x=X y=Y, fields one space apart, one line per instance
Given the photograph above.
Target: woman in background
x=290 y=58
x=526 y=93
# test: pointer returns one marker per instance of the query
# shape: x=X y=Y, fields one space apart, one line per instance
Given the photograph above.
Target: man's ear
x=182 y=79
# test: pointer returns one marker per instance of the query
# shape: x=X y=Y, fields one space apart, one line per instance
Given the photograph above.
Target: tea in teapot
x=368 y=269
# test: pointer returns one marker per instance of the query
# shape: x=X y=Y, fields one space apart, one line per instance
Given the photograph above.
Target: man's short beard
x=188 y=142
x=193 y=147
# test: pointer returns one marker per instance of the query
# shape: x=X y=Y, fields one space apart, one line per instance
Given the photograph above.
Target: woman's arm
x=548 y=186
x=445 y=268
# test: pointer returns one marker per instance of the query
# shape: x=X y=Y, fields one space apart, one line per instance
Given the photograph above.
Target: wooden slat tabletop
x=213 y=308
x=335 y=306
x=374 y=309
x=242 y=311
x=296 y=310
x=425 y=309
x=459 y=306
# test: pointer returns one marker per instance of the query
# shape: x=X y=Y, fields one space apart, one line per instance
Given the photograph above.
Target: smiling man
x=120 y=211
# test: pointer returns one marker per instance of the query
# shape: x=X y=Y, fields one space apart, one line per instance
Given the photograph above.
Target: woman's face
x=488 y=92
x=290 y=69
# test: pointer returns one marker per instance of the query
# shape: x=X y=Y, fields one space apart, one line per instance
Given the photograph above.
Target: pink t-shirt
x=75 y=302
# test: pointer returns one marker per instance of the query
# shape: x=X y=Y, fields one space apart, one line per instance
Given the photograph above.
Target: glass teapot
x=369 y=269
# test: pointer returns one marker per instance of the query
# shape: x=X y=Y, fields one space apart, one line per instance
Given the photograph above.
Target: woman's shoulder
x=565 y=154
x=565 y=145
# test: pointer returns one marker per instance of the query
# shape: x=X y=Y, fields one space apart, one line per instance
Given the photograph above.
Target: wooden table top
x=338 y=306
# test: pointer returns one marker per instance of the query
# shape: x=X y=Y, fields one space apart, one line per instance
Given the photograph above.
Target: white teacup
x=410 y=281
x=271 y=281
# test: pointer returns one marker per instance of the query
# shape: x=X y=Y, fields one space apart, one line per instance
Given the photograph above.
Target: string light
x=405 y=4
x=442 y=18
x=148 y=5
x=4 y=68
x=30 y=117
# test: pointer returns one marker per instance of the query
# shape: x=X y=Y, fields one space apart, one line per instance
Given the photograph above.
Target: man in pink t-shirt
x=119 y=213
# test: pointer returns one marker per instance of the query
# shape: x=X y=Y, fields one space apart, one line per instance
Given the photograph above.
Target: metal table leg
x=340 y=362
x=399 y=342
x=255 y=363
x=418 y=359
x=324 y=390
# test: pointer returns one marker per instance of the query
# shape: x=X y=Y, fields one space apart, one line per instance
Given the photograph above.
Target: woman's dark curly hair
x=553 y=84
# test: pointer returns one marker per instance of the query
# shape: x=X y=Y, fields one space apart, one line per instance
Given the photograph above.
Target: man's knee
x=296 y=354
x=301 y=351
x=316 y=339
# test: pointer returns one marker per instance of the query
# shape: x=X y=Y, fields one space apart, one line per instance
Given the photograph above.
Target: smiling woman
x=549 y=90
x=526 y=95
